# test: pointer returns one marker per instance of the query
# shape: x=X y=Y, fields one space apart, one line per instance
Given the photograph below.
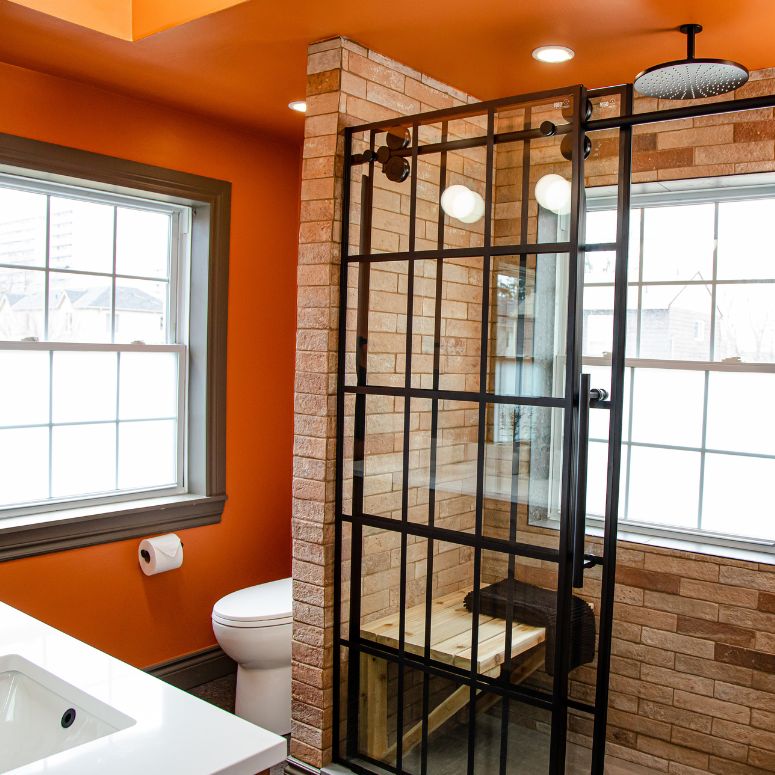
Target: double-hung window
x=113 y=289
x=698 y=453
x=93 y=310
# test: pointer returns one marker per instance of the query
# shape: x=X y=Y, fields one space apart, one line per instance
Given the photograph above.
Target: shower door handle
x=580 y=505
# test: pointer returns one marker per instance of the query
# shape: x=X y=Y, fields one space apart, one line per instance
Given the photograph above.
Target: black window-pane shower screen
x=459 y=445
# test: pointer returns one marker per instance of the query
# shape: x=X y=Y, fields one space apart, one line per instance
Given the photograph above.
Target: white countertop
x=174 y=734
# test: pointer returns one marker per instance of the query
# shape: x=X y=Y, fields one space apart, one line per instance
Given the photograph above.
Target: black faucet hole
x=68 y=717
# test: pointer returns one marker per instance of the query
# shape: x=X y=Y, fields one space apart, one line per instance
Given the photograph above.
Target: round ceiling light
x=300 y=106
x=553 y=54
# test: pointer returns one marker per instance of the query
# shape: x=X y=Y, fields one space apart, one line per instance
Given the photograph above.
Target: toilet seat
x=263 y=605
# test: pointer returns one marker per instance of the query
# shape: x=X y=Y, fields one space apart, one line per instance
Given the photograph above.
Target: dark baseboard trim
x=295 y=767
x=194 y=669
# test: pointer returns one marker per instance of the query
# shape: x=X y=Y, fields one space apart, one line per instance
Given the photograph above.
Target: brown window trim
x=203 y=504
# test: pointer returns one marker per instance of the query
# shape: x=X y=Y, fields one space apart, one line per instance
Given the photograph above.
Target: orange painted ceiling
x=244 y=64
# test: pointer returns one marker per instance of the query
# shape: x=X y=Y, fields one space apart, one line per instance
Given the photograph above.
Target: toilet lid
x=262 y=603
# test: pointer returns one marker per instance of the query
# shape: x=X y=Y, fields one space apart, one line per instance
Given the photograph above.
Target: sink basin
x=40 y=714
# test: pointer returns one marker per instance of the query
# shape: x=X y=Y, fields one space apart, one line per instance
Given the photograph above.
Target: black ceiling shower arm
x=691 y=31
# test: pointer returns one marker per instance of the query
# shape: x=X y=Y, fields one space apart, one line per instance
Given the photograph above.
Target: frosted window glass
x=738 y=416
x=678 y=242
x=148 y=386
x=142 y=243
x=84 y=386
x=664 y=486
x=746 y=240
x=23 y=387
x=83 y=459
x=23 y=465
x=738 y=496
x=675 y=322
x=667 y=407
x=147 y=454
x=745 y=322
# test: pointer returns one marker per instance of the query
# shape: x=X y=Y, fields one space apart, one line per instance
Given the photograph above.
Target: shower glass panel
x=458 y=441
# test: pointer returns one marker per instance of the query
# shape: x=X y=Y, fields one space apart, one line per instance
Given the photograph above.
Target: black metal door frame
x=569 y=557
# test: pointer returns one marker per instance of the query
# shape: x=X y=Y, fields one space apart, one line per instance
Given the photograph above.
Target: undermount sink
x=40 y=714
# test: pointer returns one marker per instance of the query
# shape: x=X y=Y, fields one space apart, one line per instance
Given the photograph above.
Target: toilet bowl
x=253 y=626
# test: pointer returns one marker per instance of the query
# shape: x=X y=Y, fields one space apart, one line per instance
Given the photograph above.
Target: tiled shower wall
x=694 y=644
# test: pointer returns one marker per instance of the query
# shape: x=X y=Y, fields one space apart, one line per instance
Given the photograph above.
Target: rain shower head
x=690 y=78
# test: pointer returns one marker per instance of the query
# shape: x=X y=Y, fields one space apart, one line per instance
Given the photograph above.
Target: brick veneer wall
x=694 y=645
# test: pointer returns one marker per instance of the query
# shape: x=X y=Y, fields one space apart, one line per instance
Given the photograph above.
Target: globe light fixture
x=553 y=193
x=463 y=204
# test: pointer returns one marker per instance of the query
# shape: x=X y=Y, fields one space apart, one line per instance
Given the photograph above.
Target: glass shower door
x=461 y=442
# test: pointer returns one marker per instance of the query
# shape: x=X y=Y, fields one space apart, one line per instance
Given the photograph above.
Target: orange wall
x=98 y=593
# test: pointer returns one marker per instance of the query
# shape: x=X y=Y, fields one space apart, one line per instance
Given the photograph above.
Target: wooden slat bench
x=451 y=626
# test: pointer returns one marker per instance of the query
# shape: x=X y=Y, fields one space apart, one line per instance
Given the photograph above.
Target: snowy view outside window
x=92 y=362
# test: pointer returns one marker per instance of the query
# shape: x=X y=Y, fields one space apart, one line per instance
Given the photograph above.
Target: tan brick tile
x=719 y=593
x=722 y=633
x=699 y=609
x=742 y=676
x=675 y=716
x=747 y=617
x=666 y=677
x=673 y=753
x=682 y=644
x=753 y=698
x=717 y=746
x=659 y=620
x=706 y=571
x=696 y=136
x=659 y=582
x=712 y=707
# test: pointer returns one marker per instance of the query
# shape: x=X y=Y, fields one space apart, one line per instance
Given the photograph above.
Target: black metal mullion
x=470 y=252
x=432 y=462
x=407 y=428
x=482 y=437
x=359 y=438
x=618 y=367
x=573 y=350
x=516 y=446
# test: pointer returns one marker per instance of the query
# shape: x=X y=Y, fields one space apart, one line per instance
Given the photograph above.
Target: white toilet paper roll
x=160 y=554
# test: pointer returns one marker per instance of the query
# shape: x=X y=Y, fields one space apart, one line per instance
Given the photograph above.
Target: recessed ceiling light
x=553 y=54
x=300 y=106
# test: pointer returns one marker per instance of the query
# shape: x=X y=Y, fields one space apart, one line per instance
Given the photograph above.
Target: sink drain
x=68 y=717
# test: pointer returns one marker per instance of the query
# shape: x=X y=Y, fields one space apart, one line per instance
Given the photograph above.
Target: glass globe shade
x=461 y=203
x=553 y=193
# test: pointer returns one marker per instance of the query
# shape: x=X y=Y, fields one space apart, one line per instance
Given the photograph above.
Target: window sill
x=670 y=543
x=34 y=534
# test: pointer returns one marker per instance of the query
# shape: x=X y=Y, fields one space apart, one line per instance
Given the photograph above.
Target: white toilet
x=253 y=626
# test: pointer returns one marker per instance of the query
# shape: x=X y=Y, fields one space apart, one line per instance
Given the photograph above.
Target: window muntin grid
x=705 y=379
x=78 y=249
